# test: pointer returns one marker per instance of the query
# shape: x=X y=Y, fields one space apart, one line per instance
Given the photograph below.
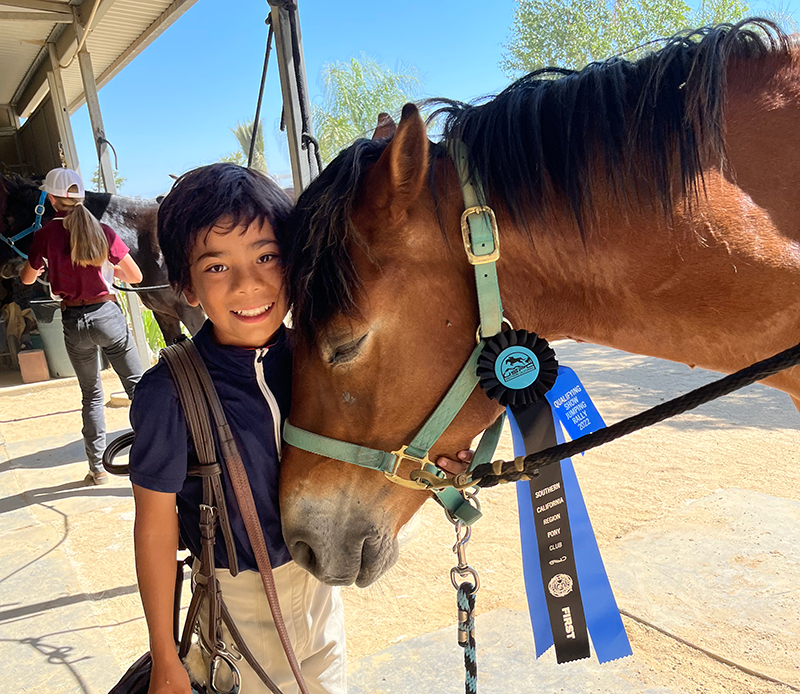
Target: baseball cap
x=59 y=181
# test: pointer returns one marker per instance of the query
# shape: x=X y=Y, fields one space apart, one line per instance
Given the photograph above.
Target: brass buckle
x=492 y=257
x=401 y=455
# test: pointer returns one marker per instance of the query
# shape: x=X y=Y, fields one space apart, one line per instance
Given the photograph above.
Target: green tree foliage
x=354 y=93
x=244 y=133
x=572 y=33
x=97 y=181
x=237 y=157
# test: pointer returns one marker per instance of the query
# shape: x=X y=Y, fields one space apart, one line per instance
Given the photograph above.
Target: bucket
x=48 y=318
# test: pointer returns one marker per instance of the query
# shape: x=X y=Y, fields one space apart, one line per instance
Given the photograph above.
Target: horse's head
x=18 y=197
x=385 y=311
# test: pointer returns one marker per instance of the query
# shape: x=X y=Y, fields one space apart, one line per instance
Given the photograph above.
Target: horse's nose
x=340 y=553
x=304 y=555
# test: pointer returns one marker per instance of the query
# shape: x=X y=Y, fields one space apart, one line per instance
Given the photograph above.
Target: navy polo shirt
x=255 y=388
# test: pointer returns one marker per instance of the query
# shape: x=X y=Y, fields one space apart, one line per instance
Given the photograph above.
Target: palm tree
x=354 y=93
x=244 y=133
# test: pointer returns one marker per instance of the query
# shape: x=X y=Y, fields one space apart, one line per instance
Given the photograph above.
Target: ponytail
x=88 y=244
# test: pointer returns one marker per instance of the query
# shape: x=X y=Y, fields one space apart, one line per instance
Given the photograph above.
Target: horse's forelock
x=321 y=276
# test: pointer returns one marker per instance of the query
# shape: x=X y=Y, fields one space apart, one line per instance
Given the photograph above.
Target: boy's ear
x=191 y=297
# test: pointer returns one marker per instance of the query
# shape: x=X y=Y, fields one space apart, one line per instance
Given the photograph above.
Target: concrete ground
x=698 y=522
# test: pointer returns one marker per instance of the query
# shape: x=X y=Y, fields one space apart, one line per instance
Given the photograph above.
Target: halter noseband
x=37 y=224
x=482 y=246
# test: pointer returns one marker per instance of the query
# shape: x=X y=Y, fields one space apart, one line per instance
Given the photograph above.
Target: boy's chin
x=242 y=334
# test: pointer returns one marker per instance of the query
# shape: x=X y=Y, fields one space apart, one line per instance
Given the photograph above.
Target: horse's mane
x=540 y=142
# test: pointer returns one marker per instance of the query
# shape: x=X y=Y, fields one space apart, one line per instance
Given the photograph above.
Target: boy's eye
x=215 y=268
x=268 y=257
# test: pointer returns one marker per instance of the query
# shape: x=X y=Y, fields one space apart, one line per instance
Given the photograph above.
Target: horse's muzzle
x=338 y=548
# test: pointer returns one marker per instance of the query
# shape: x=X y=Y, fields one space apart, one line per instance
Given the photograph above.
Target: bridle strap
x=37 y=224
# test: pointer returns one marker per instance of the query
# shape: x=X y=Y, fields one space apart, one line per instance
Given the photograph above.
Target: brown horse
x=649 y=206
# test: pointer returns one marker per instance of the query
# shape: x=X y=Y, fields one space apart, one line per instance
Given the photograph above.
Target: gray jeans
x=85 y=329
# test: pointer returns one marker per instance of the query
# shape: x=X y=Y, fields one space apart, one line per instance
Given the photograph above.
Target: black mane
x=539 y=143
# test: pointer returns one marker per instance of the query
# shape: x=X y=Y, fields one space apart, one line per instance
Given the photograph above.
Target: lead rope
x=501 y=471
x=465 y=597
x=466 y=635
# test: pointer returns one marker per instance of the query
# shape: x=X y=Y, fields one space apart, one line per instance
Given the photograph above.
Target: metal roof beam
x=43 y=5
x=158 y=27
x=59 y=17
x=34 y=86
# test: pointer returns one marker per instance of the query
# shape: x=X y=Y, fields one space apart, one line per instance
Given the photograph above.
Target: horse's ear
x=386 y=127
x=405 y=160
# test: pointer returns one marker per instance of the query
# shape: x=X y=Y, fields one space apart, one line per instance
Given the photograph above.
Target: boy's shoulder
x=154 y=392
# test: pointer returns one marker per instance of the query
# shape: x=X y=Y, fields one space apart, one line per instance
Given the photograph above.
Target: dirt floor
x=747 y=441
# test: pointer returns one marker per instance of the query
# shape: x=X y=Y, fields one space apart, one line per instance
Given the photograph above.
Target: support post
x=59 y=98
x=137 y=328
x=93 y=106
x=291 y=67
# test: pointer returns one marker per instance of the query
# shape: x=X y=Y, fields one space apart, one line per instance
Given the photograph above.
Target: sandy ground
x=746 y=441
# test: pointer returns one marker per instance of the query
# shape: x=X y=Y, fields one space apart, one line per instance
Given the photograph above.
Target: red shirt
x=70 y=281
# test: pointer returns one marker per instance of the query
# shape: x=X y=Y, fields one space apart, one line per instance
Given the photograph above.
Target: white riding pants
x=314 y=618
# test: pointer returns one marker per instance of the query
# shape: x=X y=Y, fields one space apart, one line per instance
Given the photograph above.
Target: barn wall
x=9 y=152
x=39 y=137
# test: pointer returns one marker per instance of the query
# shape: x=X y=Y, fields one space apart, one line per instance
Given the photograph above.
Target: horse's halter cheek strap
x=37 y=224
x=481 y=243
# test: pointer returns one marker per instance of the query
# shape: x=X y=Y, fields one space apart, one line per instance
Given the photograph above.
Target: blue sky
x=172 y=108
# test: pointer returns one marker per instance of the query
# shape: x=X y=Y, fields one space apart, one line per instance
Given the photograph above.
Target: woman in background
x=74 y=246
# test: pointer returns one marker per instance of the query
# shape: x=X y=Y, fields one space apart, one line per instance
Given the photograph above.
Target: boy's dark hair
x=203 y=197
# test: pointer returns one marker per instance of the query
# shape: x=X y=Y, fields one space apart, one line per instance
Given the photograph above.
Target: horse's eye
x=346 y=352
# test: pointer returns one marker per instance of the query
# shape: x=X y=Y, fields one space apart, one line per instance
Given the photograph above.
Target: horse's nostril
x=304 y=556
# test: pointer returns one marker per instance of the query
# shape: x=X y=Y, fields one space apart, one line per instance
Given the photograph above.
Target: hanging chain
x=465 y=597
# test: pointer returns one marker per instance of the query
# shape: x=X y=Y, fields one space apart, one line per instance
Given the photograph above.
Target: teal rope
x=466 y=635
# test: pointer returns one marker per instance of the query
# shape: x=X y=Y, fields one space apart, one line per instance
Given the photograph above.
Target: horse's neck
x=98 y=203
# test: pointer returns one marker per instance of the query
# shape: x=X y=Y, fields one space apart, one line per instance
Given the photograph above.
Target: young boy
x=219 y=230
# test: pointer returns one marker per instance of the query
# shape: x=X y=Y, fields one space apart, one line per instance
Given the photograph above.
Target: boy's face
x=236 y=277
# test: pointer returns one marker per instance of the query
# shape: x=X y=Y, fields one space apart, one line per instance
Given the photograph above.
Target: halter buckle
x=492 y=257
x=400 y=455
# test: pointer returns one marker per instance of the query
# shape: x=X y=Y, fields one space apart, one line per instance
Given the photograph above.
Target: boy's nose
x=248 y=280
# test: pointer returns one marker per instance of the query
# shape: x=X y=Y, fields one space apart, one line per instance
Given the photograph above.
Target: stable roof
x=118 y=31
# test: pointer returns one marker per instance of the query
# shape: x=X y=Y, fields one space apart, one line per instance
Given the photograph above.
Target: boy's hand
x=456 y=467
x=169 y=678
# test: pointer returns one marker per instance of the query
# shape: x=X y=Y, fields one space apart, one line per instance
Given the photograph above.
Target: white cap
x=59 y=181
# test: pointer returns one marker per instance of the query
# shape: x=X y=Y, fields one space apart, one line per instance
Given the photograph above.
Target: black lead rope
x=154 y=288
x=488 y=475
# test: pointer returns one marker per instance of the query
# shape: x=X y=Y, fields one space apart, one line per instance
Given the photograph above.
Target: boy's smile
x=236 y=277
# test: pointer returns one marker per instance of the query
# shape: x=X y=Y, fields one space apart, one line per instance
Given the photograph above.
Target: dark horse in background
x=651 y=206
x=133 y=219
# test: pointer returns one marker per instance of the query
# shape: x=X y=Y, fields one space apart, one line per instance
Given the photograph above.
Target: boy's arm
x=155 y=538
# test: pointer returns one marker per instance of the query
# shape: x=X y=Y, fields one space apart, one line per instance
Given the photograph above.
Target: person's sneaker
x=97 y=477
